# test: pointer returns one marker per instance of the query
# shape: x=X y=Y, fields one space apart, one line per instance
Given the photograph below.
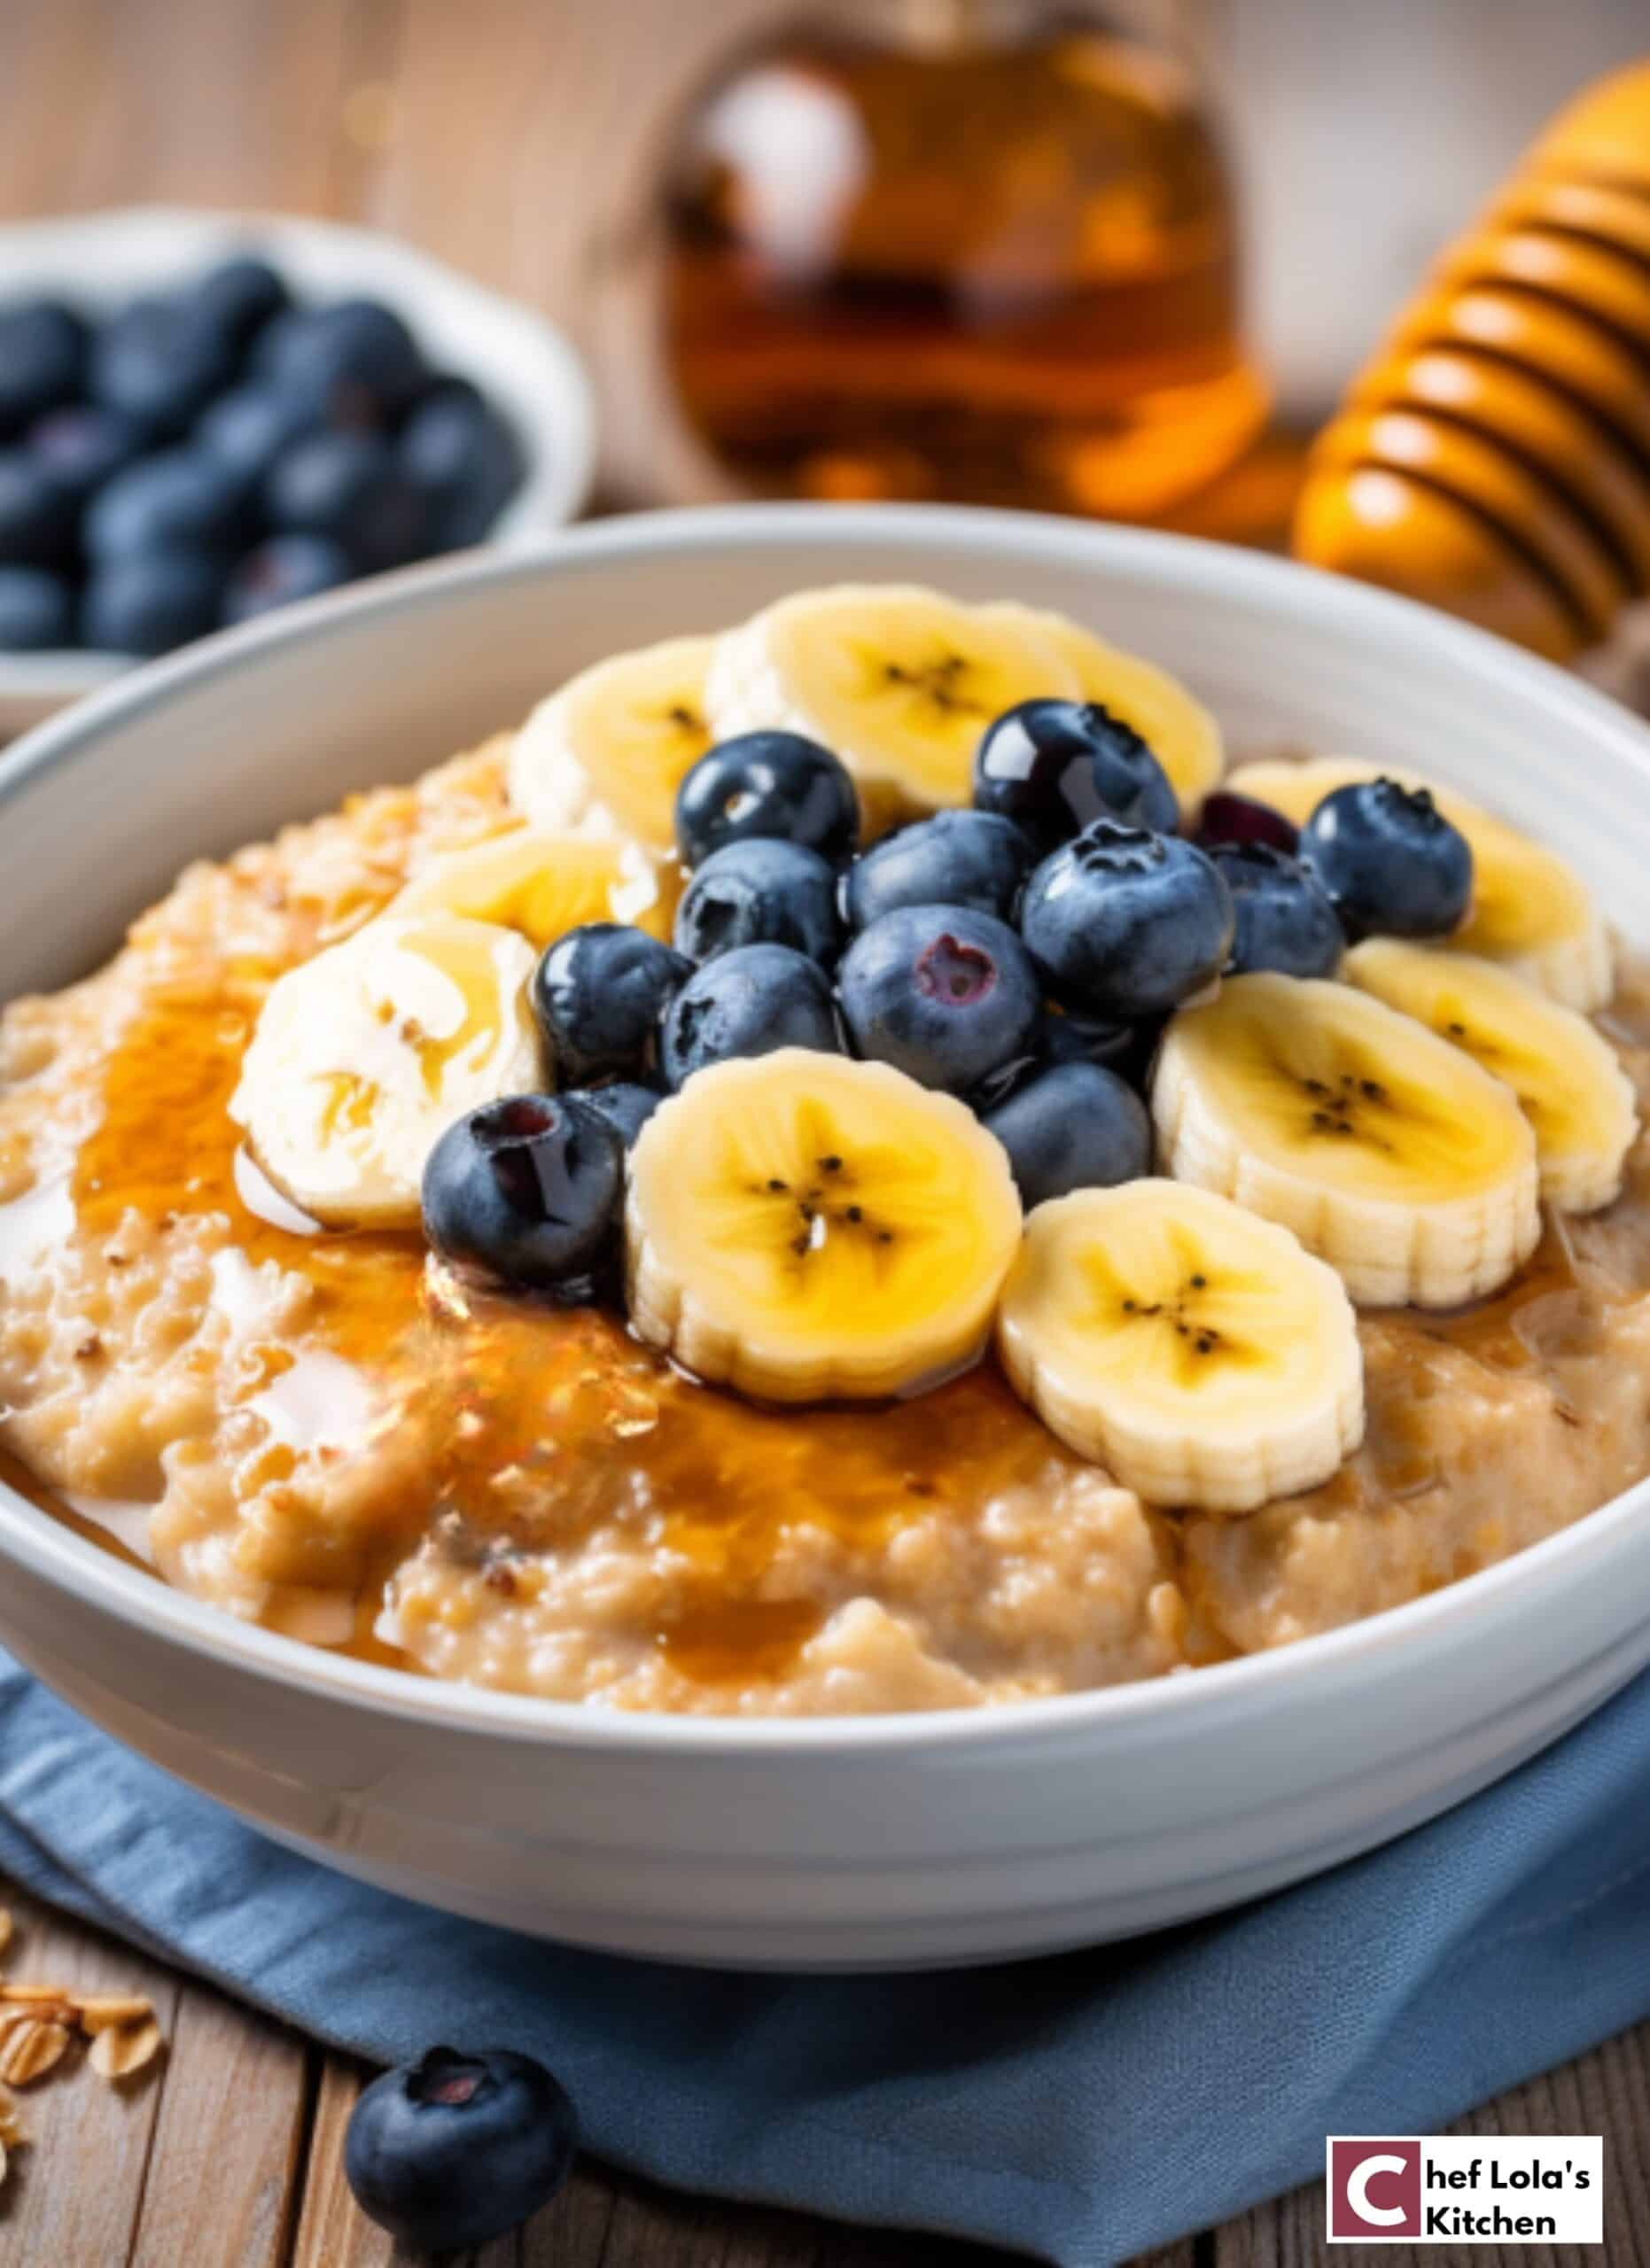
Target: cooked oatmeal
x=330 y=1434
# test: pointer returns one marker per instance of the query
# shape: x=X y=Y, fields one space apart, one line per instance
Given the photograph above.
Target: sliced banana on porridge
x=1192 y=1349
x=1390 y=1152
x=363 y=1056
x=607 y=752
x=1180 y=733
x=543 y=882
x=1530 y=911
x=1572 y=1088
x=804 y=1227
x=899 y=681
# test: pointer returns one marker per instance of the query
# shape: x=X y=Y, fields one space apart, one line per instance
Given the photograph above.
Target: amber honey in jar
x=986 y=251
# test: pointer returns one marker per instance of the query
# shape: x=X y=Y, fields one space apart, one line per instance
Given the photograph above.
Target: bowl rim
x=558 y=483
x=56 y=1555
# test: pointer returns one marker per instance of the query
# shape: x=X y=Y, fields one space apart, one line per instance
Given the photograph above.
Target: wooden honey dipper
x=1494 y=457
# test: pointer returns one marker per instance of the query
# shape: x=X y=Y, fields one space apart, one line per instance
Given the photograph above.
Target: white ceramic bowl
x=881 y=1840
x=98 y=261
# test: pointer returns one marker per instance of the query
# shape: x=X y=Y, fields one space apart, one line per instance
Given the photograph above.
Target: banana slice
x=1390 y=1154
x=1190 y=1348
x=801 y=1226
x=364 y=1057
x=1181 y=734
x=1574 y=1091
x=606 y=754
x=542 y=883
x=899 y=681
x=1530 y=911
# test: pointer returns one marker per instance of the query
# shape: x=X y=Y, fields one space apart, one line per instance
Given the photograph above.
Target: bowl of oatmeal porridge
x=493 y=1601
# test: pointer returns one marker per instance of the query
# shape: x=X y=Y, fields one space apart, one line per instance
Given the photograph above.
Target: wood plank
x=75 y=2190
x=229 y=2132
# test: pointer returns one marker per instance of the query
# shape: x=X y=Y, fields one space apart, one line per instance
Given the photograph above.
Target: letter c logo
x=1358 y=2189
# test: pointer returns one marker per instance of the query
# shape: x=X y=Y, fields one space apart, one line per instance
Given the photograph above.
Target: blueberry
x=1226 y=818
x=973 y=859
x=355 y=363
x=626 y=1106
x=284 y=568
x=1390 y=861
x=1125 y=923
x=748 y=1002
x=43 y=360
x=159 y=362
x=36 y=611
x=943 y=993
x=528 y=1189
x=239 y=296
x=176 y=500
x=81 y=447
x=1071 y=1036
x=777 y=785
x=454 y=2151
x=247 y=428
x=599 y=993
x=1285 y=921
x=150 y=602
x=346 y=486
x=1054 y=766
x=38 y=514
x=466 y=461
x=1074 y=1127
x=759 y=893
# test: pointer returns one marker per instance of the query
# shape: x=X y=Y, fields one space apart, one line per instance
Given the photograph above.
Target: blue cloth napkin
x=1083 y=2108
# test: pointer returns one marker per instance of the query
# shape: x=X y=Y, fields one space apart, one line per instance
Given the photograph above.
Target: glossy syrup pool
x=541 y=1425
x=536 y=1427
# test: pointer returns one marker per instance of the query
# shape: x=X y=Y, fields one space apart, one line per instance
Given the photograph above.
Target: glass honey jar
x=980 y=250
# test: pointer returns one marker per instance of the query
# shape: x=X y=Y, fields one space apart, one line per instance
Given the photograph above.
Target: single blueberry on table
x=599 y=993
x=1226 y=818
x=284 y=568
x=466 y=461
x=1054 y=767
x=158 y=360
x=81 y=446
x=454 y=2151
x=768 y=785
x=1126 y=924
x=973 y=859
x=43 y=360
x=1391 y=863
x=349 y=487
x=626 y=1106
x=150 y=602
x=748 y=1002
x=247 y=429
x=178 y=499
x=760 y=892
x=1284 y=921
x=354 y=363
x=38 y=513
x=36 y=611
x=944 y=994
x=1075 y=1126
x=239 y=296
x=528 y=1190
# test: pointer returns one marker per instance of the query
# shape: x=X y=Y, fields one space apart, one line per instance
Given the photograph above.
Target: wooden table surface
x=511 y=137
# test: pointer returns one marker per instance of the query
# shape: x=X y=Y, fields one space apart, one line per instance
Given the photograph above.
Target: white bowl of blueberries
x=206 y=415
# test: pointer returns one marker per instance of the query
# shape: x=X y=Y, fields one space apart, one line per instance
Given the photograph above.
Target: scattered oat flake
x=125 y=2048
x=10 y=2131
x=104 y=2010
x=5 y=1928
x=30 y=2052
x=32 y=1994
